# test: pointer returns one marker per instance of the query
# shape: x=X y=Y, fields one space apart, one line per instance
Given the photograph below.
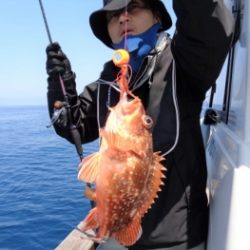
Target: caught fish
x=126 y=172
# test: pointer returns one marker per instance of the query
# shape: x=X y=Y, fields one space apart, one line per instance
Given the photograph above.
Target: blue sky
x=24 y=39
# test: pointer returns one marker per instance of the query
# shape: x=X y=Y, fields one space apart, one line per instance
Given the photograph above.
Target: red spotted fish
x=126 y=172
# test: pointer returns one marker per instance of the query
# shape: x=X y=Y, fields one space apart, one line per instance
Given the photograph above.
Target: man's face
x=134 y=20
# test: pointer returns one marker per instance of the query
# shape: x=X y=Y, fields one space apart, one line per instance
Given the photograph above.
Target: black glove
x=57 y=62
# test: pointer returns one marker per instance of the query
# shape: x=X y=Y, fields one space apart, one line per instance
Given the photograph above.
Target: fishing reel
x=60 y=115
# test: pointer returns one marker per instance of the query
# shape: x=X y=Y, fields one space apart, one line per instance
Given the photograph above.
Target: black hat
x=98 y=21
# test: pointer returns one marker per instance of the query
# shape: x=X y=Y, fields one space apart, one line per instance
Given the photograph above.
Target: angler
x=171 y=77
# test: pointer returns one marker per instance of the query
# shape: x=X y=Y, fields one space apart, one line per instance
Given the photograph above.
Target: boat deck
x=76 y=241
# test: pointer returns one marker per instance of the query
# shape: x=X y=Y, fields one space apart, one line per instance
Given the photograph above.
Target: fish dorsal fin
x=130 y=234
x=89 y=168
x=154 y=184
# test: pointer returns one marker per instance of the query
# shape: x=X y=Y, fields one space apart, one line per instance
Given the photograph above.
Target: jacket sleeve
x=204 y=32
x=83 y=108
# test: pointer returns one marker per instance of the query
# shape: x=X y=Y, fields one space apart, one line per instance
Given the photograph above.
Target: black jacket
x=203 y=37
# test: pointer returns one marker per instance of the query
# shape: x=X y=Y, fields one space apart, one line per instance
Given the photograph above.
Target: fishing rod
x=73 y=130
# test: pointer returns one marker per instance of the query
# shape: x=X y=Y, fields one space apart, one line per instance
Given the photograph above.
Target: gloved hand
x=57 y=62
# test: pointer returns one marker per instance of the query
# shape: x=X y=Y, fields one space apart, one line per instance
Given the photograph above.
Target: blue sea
x=41 y=200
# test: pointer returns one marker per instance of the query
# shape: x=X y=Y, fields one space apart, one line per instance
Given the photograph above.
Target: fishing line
x=129 y=69
x=111 y=84
x=126 y=25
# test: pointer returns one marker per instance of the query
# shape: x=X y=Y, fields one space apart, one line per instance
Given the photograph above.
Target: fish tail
x=90 y=222
x=130 y=234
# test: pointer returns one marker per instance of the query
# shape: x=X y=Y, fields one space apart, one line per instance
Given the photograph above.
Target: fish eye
x=147 y=121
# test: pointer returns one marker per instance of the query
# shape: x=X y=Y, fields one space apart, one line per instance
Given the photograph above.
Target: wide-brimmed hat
x=98 y=20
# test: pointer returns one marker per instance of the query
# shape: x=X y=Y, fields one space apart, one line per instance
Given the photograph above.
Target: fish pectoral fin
x=89 y=168
x=90 y=193
x=130 y=234
x=110 y=138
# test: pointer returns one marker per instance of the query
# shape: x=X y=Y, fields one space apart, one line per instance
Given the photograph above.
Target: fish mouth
x=131 y=106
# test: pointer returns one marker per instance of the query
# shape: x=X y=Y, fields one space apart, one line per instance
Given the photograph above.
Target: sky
x=23 y=40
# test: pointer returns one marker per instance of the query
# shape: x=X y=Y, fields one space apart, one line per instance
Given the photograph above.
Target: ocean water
x=41 y=200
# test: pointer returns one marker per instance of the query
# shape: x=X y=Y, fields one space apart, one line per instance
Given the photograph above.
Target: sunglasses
x=132 y=6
